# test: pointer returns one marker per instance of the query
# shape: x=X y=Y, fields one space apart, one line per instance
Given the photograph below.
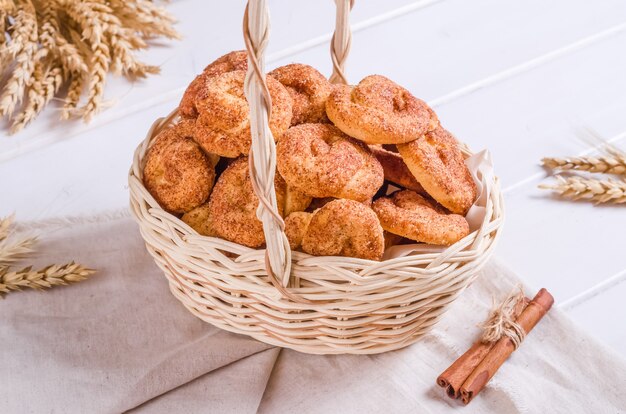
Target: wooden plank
x=76 y=177
x=439 y=49
x=536 y=114
x=567 y=247
x=603 y=317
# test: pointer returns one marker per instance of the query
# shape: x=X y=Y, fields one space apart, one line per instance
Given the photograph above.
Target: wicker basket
x=321 y=305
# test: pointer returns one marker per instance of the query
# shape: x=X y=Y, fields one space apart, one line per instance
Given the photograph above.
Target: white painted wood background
x=524 y=78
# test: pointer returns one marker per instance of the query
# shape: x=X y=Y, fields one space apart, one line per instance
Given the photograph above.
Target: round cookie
x=438 y=164
x=223 y=124
x=321 y=161
x=379 y=111
x=309 y=90
x=410 y=215
x=199 y=219
x=177 y=173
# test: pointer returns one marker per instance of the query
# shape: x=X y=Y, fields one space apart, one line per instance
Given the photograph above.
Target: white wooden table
x=524 y=78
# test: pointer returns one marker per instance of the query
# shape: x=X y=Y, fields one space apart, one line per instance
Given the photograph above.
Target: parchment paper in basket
x=481 y=168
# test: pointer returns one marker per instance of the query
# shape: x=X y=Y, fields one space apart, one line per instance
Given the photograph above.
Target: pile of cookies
x=341 y=151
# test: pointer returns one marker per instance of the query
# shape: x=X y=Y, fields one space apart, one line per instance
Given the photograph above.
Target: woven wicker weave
x=322 y=305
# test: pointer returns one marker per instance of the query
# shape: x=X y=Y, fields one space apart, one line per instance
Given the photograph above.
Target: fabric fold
x=234 y=388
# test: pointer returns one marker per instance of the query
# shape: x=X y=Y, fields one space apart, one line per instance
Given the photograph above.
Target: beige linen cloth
x=120 y=341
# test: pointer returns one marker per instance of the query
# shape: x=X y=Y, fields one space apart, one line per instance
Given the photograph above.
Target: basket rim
x=333 y=304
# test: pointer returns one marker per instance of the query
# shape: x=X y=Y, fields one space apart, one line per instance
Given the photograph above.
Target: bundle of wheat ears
x=598 y=190
x=64 y=48
x=13 y=249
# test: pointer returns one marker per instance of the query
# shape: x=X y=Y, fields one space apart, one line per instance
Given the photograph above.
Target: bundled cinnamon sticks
x=505 y=330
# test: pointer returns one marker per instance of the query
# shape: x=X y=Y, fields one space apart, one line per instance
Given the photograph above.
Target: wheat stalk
x=613 y=161
x=22 y=48
x=39 y=95
x=85 y=14
x=615 y=152
x=591 y=189
x=109 y=28
x=122 y=59
x=49 y=276
x=5 y=226
x=16 y=250
x=12 y=250
x=607 y=164
x=6 y=7
x=97 y=78
x=54 y=43
x=145 y=17
x=74 y=91
x=53 y=275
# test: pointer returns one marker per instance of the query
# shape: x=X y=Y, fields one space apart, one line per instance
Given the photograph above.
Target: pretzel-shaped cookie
x=236 y=60
x=340 y=228
x=223 y=125
x=231 y=210
x=379 y=111
x=309 y=90
x=321 y=161
x=395 y=169
x=410 y=215
x=438 y=164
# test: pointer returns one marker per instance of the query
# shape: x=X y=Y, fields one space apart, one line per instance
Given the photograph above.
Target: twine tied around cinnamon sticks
x=501 y=321
x=504 y=331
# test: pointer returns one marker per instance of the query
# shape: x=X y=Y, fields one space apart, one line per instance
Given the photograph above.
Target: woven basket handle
x=262 y=157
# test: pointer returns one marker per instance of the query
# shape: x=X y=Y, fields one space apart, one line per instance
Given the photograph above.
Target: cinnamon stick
x=453 y=378
x=476 y=381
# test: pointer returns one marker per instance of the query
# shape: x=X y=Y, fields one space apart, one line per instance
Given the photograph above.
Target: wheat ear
x=92 y=27
x=580 y=188
x=615 y=152
x=122 y=42
x=97 y=79
x=22 y=48
x=607 y=164
x=47 y=277
x=42 y=92
x=5 y=226
x=145 y=17
x=11 y=251
x=54 y=43
x=16 y=250
x=72 y=99
x=7 y=7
